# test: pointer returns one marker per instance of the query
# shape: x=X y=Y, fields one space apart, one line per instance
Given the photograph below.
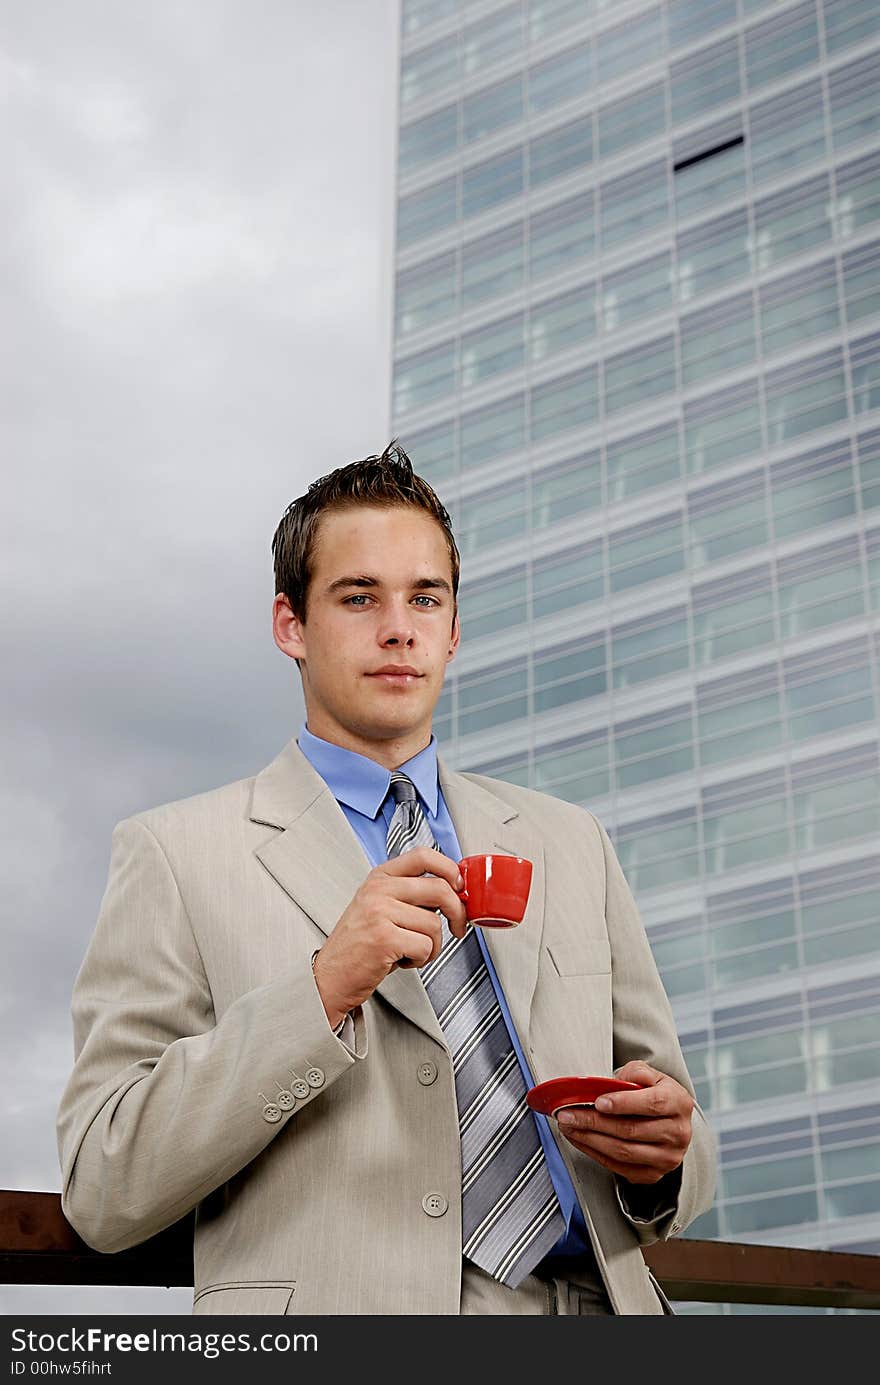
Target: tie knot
x=403 y=789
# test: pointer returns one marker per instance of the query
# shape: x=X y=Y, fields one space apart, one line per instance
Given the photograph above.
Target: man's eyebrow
x=365 y=580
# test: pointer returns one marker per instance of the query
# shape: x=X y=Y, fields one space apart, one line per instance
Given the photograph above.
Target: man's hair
x=383 y=481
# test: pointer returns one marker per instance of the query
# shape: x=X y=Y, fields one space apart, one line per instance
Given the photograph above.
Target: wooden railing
x=39 y=1246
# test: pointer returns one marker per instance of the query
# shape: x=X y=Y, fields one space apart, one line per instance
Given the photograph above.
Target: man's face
x=380 y=596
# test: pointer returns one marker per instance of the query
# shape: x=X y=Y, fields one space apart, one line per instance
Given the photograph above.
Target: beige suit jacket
x=196 y=1005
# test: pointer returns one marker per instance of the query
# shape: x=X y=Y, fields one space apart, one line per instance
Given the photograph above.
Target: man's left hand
x=640 y=1135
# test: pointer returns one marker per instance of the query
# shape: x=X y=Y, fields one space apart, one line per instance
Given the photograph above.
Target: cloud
x=195 y=268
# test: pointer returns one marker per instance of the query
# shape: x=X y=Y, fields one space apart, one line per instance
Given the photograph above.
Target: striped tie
x=510 y=1212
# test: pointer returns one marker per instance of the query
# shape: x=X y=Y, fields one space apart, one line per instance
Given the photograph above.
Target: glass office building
x=637 y=352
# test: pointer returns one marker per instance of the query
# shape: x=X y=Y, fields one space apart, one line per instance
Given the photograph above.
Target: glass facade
x=637 y=352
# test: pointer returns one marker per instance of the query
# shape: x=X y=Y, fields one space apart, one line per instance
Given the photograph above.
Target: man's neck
x=390 y=754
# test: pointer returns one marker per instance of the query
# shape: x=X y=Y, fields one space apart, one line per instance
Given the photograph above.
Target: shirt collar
x=363 y=783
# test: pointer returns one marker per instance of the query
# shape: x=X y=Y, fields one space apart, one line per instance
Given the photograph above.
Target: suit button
x=427 y=1073
x=300 y=1088
x=434 y=1204
x=271 y=1113
x=285 y=1099
x=315 y=1077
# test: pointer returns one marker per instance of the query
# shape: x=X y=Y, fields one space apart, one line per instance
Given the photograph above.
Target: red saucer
x=550 y=1097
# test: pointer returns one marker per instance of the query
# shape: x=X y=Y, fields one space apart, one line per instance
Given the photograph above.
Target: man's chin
x=392 y=726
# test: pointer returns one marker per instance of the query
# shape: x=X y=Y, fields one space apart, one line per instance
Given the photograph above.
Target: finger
x=417 y=947
x=638 y=1128
x=638 y=1071
x=665 y=1097
x=625 y=1155
x=453 y=910
x=432 y=892
x=420 y=918
x=421 y=859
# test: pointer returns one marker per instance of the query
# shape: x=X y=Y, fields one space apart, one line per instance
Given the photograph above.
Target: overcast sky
x=197 y=233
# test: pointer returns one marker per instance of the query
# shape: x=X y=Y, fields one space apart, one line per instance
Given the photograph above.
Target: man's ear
x=287 y=628
x=454 y=638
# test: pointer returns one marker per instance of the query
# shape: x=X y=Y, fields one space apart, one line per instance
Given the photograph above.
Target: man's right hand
x=391 y=921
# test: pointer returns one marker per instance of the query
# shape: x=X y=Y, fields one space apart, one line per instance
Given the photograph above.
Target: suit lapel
x=319 y=862
x=485 y=823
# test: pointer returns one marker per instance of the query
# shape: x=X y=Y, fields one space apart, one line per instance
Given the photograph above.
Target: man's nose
x=398 y=628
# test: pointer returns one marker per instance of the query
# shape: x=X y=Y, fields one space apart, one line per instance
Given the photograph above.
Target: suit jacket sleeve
x=166 y=1102
x=644 y=1029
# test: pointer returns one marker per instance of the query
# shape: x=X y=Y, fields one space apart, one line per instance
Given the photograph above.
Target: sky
x=196 y=237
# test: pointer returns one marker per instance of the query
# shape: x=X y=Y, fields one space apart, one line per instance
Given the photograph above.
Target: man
x=284 y=1021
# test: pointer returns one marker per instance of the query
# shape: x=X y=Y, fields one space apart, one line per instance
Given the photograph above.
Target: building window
x=561 y=151
x=560 y=323
x=561 y=78
x=491 y=350
x=569 y=402
x=799 y=307
x=791 y=222
x=489 y=40
x=636 y=376
x=646 y=554
x=808 y=395
x=491 y=109
x=787 y=131
x=717 y=339
x=781 y=45
x=425 y=294
x=722 y=427
x=632 y=120
x=712 y=255
x=420 y=379
x=700 y=84
x=492 y=431
x=492 y=265
x=637 y=292
x=496 y=180
x=854 y=110
x=426 y=211
x=701 y=184
x=634 y=204
x=640 y=462
x=421 y=14
x=427 y=139
x=561 y=235
x=434 y=68
x=848 y=22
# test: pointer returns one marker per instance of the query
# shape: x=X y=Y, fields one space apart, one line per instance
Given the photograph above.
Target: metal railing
x=39 y=1246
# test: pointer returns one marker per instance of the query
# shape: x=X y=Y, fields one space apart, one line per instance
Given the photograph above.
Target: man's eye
x=361 y=596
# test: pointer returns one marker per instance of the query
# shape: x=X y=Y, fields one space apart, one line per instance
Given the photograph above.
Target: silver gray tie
x=510 y=1211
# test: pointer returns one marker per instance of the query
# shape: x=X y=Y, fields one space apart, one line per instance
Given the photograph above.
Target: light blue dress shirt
x=360 y=786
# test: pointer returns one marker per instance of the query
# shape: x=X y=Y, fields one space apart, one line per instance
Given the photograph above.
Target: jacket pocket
x=583 y=957
x=256 y=1297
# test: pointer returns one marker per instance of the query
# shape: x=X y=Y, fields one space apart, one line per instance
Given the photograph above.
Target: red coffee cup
x=496 y=889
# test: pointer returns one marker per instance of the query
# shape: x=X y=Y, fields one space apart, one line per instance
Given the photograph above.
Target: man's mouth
x=397 y=677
